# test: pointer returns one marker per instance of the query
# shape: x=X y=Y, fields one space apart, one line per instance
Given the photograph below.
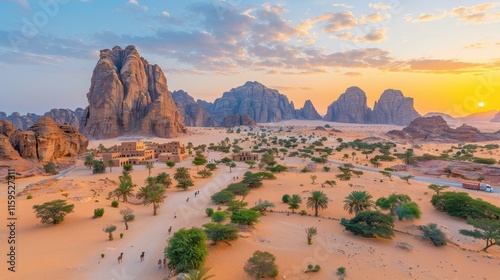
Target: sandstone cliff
x=237 y=120
x=46 y=141
x=193 y=113
x=435 y=129
x=307 y=112
x=394 y=108
x=129 y=95
x=350 y=107
x=253 y=99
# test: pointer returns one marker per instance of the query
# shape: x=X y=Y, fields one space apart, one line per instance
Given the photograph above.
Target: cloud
x=474 y=46
x=481 y=13
x=353 y=74
x=342 y=6
x=379 y=6
x=133 y=2
x=374 y=35
x=425 y=17
x=337 y=21
x=165 y=14
x=374 y=17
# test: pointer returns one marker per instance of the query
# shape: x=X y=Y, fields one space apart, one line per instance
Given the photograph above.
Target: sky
x=444 y=54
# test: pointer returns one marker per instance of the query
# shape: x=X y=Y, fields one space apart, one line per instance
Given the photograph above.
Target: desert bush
x=209 y=212
x=261 y=264
x=222 y=197
x=29 y=196
x=285 y=198
x=187 y=250
x=245 y=217
x=460 y=204
x=370 y=224
x=98 y=212
x=219 y=217
x=434 y=233
x=53 y=212
x=50 y=168
x=115 y=203
x=404 y=245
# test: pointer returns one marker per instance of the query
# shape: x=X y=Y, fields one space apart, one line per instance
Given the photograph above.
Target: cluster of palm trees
x=155 y=188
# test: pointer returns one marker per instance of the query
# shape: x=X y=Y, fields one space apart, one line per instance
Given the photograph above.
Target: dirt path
x=152 y=239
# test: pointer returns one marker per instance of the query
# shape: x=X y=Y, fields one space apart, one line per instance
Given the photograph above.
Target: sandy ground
x=72 y=249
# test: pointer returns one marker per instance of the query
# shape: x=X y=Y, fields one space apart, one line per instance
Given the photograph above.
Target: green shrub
x=460 y=204
x=434 y=233
x=484 y=160
x=222 y=197
x=370 y=224
x=115 y=203
x=219 y=217
x=98 y=212
x=245 y=217
x=209 y=212
x=102 y=256
x=29 y=196
x=121 y=235
x=50 y=168
x=286 y=198
x=303 y=212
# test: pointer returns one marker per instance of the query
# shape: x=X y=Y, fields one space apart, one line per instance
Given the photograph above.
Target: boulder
x=350 y=107
x=394 y=108
x=7 y=152
x=255 y=100
x=237 y=120
x=6 y=128
x=307 y=112
x=193 y=113
x=128 y=95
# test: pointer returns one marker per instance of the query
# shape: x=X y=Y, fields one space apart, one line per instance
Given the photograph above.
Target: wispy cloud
x=374 y=35
x=425 y=17
x=379 y=6
x=343 y=6
x=482 y=13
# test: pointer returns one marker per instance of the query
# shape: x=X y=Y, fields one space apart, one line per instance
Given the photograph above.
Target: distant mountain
x=481 y=116
x=307 y=112
x=496 y=118
x=193 y=113
x=350 y=107
x=60 y=117
x=255 y=100
x=446 y=117
x=391 y=108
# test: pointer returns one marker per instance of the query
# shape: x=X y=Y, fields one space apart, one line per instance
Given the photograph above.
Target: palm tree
x=294 y=202
x=89 y=160
x=200 y=274
x=164 y=179
x=408 y=158
x=124 y=189
x=182 y=173
x=358 y=201
x=318 y=200
x=126 y=176
x=149 y=166
x=154 y=194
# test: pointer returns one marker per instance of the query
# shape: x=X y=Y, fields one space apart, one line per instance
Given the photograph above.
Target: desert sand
x=72 y=249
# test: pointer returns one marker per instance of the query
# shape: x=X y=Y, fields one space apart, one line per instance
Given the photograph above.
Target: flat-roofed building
x=245 y=155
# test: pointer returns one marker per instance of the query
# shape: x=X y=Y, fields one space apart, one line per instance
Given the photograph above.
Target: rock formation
x=496 y=118
x=394 y=108
x=6 y=149
x=193 y=113
x=20 y=121
x=6 y=128
x=62 y=116
x=46 y=141
x=435 y=129
x=237 y=120
x=129 y=95
x=308 y=112
x=254 y=100
x=350 y=107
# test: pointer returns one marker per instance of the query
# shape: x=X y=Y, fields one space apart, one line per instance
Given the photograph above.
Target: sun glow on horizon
x=481 y=104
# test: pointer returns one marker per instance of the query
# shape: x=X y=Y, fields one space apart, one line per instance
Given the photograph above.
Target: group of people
x=164 y=263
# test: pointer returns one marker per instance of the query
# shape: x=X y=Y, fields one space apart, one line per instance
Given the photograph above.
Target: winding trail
x=154 y=236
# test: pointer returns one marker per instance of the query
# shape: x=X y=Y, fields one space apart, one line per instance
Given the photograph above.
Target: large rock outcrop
x=7 y=152
x=128 y=95
x=193 y=113
x=435 y=129
x=253 y=99
x=307 y=112
x=64 y=116
x=350 y=107
x=46 y=141
x=394 y=108
x=20 y=121
x=496 y=118
x=237 y=120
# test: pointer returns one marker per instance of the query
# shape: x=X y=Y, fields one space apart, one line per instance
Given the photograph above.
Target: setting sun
x=480 y=104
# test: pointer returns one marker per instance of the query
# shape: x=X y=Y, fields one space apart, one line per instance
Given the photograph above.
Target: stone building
x=245 y=155
x=138 y=153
